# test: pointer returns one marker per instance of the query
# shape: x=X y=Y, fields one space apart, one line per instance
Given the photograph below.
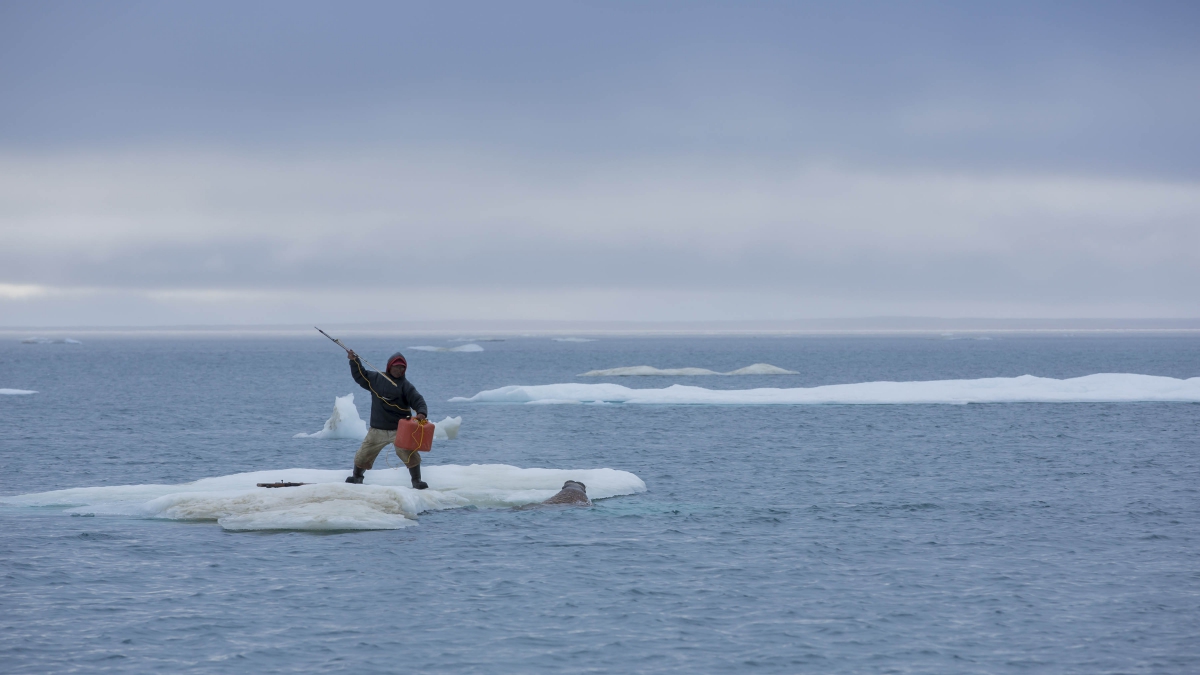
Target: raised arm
x=357 y=371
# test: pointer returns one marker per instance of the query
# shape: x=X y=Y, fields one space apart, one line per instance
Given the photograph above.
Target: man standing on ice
x=390 y=403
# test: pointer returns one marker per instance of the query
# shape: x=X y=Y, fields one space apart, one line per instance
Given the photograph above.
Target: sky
x=294 y=162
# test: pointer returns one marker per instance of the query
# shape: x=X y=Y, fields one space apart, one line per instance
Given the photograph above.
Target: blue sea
x=924 y=538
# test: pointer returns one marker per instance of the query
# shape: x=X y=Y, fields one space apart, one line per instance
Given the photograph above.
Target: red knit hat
x=397 y=358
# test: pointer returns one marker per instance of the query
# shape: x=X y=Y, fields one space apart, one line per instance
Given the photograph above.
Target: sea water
x=832 y=538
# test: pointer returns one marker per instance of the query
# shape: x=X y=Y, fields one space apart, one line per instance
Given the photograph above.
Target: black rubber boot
x=358 y=476
x=415 y=472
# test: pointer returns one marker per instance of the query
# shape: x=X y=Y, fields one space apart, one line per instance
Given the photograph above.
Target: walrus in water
x=572 y=492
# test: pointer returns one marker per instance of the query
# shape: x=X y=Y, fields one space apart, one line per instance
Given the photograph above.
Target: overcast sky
x=262 y=162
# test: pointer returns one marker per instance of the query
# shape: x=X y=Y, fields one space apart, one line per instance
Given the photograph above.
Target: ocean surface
x=911 y=538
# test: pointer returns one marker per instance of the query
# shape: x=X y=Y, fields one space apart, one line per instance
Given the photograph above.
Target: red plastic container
x=415 y=435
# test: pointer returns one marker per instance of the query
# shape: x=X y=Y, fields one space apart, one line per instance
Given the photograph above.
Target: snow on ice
x=1100 y=388
x=385 y=501
x=755 y=369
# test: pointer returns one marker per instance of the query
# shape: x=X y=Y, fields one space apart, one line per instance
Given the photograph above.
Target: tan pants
x=375 y=441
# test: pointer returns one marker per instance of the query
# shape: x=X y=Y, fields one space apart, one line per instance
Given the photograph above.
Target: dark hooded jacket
x=389 y=403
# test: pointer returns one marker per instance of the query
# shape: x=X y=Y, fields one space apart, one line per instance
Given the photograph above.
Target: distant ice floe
x=384 y=502
x=16 y=392
x=573 y=339
x=472 y=347
x=755 y=369
x=952 y=336
x=50 y=341
x=1101 y=388
x=345 y=423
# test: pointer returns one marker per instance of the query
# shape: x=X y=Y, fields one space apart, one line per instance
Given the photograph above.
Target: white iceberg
x=16 y=392
x=755 y=369
x=385 y=501
x=471 y=347
x=1100 y=388
x=344 y=422
x=447 y=429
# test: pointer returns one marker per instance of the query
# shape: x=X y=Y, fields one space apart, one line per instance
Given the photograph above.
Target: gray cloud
x=163 y=162
x=1068 y=87
x=173 y=221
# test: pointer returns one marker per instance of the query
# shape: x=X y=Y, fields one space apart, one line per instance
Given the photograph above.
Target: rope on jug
x=420 y=427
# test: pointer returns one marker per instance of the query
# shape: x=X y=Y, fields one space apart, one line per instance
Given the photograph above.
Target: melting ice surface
x=753 y=369
x=345 y=423
x=16 y=392
x=1100 y=388
x=384 y=502
x=470 y=347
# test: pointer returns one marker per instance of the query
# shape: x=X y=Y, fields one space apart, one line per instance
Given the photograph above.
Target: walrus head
x=572 y=492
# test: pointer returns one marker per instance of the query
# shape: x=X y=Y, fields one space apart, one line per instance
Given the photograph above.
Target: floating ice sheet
x=385 y=501
x=573 y=339
x=1101 y=388
x=344 y=422
x=50 y=341
x=470 y=347
x=16 y=392
x=754 y=369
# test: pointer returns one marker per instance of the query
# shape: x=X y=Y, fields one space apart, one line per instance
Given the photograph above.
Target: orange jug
x=415 y=435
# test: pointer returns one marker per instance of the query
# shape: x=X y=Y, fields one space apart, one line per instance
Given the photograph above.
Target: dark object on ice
x=357 y=478
x=572 y=492
x=415 y=473
x=281 y=484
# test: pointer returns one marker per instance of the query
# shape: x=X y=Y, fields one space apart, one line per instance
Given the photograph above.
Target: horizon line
x=516 y=328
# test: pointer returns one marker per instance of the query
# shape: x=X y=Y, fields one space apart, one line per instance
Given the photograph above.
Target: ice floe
x=573 y=339
x=762 y=369
x=447 y=429
x=345 y=422
x=385 y=501
x=754 y=369
x=50 y=341
x=470 y=347
x=16 y=392
x=1100 y=388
